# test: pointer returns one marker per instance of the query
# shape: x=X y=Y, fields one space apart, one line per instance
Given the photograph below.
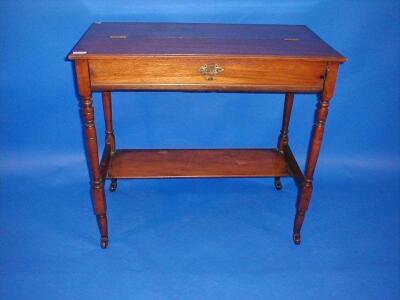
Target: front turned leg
x=98 y=196
x=97 y=181
x=305 y=191
x=303 y=200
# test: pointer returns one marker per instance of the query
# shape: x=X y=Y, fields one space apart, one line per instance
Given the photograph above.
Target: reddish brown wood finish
x=122 y=40
x=287 y=111
x=203 y=57
x=98 y=197
x=321 y=114
x=109 y=148
x=283 y=139
x=197 y=163
x=107 y=107
x=294 y=168
x=183 y=73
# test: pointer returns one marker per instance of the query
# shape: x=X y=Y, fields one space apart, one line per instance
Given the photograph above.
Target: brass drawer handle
x=211 y=71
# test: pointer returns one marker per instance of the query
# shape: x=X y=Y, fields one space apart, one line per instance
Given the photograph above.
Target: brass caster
x=278 y=183
x=296 y=238
x=113 y=185
x=104 y=242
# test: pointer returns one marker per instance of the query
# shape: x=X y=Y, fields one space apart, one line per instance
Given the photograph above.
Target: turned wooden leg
x=107 y=107
x=110 y=137
x=97 y=181
x=283 y=139
x=321 y=114
x=305 y=191
x=99 y=201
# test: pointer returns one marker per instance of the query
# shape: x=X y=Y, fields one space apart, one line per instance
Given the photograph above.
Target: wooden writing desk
x=202 y=57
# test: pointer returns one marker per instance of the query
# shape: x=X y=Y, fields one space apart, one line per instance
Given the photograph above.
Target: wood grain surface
x=207 y=163
x=120 y=40
x=183 y=73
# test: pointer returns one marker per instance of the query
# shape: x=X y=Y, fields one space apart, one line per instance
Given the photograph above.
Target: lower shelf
x=215 y=163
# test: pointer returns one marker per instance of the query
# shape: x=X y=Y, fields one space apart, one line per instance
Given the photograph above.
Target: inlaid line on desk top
x=124 y=39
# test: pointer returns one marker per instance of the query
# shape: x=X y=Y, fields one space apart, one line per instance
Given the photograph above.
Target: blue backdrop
x=199 y=239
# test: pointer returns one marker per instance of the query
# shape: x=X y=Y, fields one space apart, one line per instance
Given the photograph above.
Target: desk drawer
x=204 y=73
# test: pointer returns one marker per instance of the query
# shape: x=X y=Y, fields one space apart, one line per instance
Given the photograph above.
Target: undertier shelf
x=207 y=163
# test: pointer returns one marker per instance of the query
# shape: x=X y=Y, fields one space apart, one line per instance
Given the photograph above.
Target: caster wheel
x=113 y=185
x=278 y=184
x=104 y=242
x=296 y=238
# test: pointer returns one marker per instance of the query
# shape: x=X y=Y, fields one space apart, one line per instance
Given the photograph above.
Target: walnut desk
x=286 y=59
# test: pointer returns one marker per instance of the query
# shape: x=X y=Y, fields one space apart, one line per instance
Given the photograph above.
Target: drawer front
x=196 y=73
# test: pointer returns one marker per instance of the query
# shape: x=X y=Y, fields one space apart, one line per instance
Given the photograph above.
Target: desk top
x=111 y=40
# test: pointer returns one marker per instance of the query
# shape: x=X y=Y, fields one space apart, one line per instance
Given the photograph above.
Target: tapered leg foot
x=104 y=242
x=298 y=222
x=113 y=185
x=278 y=183
x=102 y=222
x=297 y=238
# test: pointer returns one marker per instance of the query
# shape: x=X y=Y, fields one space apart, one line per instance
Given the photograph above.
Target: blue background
x=199 y=239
